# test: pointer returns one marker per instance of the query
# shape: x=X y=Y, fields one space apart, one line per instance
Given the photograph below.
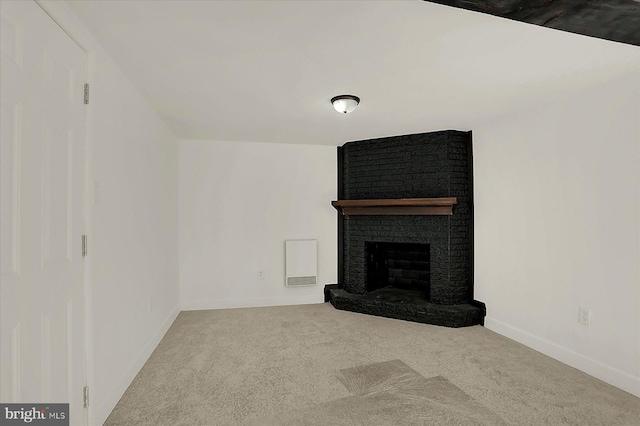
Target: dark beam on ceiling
x=615 y=20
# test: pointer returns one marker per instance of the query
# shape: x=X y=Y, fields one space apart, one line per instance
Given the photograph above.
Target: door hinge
x=85 y=396
x=84 y=246
x=86 y=93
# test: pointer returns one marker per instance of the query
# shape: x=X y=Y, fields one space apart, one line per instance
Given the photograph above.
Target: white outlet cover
x=584 y=315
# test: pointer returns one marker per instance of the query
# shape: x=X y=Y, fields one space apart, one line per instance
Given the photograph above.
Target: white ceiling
x=264 y=71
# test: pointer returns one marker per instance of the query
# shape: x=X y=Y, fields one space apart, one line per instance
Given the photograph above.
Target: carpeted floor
x=315 y=365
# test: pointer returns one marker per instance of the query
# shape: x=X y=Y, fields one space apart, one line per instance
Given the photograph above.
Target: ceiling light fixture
x=345 y=103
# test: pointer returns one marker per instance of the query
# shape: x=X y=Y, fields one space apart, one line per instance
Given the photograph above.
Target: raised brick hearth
x=428 y=165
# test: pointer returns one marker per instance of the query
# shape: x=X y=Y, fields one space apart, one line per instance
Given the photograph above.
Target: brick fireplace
x=402 y=255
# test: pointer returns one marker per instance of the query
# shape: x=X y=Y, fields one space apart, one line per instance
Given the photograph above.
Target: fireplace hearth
x=405 y=229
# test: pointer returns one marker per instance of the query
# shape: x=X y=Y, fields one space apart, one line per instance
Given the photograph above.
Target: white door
x=42 y=353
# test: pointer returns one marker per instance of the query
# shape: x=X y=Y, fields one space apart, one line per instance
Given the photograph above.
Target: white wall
x=239 y=202
x=135 y=238
x=557 y=226
x=133 y=230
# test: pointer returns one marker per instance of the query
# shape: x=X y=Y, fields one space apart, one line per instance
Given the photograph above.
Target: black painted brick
x=411 y=166
x=407 y=305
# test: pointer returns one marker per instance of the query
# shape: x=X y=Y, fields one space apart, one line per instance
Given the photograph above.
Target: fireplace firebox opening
x=404 y=266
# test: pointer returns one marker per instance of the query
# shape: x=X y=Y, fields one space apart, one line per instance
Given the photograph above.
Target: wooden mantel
x=401 y=206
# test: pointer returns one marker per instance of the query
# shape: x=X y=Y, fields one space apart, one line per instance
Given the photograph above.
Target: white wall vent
x=301 y=262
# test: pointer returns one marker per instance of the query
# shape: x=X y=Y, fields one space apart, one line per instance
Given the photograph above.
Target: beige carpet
x=314 y=365
x=390 y=393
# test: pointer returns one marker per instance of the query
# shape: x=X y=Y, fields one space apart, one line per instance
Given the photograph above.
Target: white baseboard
x=102 y=412
x=199 y=305
x=594 y=368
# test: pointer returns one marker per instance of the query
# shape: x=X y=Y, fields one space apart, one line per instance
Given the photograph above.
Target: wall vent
x=301 y=262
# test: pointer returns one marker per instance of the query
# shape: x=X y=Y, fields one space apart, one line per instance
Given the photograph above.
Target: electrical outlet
x=584 y=315
x=261 y=275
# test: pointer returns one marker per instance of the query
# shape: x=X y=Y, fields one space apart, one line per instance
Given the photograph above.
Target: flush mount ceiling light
x=345 y=103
